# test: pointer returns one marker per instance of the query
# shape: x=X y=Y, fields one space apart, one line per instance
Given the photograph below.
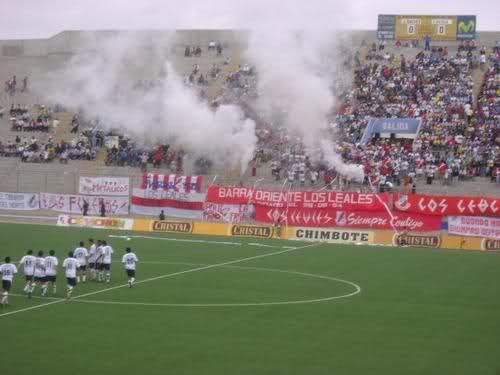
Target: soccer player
x=98 y=261
x=51 y=264
x=92 y=259
x=28 y=264
x=81 y=254
x=39 y=275
x=130 y=260
x=7 y=270
x=70 y=266
x=107 y=251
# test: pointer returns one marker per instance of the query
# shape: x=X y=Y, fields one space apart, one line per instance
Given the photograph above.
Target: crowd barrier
x=437 y=240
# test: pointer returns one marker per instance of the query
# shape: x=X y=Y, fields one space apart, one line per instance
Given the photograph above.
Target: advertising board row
x=326 y=235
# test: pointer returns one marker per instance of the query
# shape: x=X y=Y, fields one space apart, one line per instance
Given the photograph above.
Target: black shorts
x=82 y=268
x=40 y=279
x=130 y=273
x=92 y=266
x=51 y=278
x=106 y=266
x=100 y=266
x=6 y=284
x=29 y=277
x=71 y=281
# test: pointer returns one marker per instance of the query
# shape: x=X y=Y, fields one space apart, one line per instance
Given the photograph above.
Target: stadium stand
x=453 y=88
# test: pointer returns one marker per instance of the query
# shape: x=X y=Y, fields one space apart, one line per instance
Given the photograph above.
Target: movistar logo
x=468 y=27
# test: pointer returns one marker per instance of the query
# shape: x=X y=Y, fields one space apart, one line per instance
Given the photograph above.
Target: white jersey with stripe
x=81 y=254
x=28 y=263
x=40 y=267
x=51 y=264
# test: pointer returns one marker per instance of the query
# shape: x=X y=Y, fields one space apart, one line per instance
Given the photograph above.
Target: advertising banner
x=227 y=213
x=348 y=201
x=74 y=203
x=171 y=226
x=446 y=205
x=115 y=186
x=331 y=235
x=95 y=222
x=173 y=203
x=172 y=182
x=19 y=201
x=466 y=27
x=307 y=217
x=477 y=226
x=254 y=231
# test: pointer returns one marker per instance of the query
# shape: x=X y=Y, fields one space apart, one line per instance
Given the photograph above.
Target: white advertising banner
x=95 y=222
x=114 y=186
x=477 y=226
x=74 y=203
x=19 y=201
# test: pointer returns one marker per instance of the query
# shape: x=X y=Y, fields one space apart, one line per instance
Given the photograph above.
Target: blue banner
x=401 y=127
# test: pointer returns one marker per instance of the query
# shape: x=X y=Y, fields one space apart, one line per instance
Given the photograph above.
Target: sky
x=26 y=19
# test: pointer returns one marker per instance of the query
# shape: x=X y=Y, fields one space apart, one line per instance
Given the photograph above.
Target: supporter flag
x=172 y=182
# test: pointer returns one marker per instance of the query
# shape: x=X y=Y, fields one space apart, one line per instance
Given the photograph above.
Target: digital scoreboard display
x=414 y=27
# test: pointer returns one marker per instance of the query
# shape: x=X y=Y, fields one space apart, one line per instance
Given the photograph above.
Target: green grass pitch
x=419 y=311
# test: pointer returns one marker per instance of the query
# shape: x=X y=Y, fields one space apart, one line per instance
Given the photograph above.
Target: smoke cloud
x=296 y=72
x=100 y=83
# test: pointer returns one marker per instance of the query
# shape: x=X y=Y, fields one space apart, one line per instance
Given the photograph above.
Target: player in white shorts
x=107 y=252
x=28 y=264
x=81 y=254
x=98 y=262
x=130 y=260
x=39 y=275
x=70 y=266
x=92 y=259
x=51 y=264
x=7 y=270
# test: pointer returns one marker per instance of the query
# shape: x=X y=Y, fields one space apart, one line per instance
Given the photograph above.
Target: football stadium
x=253 y=201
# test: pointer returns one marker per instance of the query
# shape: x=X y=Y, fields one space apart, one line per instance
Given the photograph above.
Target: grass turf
x=420 y=311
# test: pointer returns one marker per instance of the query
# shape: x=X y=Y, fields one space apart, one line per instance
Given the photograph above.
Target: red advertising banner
x=446 y=205
x=349 y=201
x=307 y=217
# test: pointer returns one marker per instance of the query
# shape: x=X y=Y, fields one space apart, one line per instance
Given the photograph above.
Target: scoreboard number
x=441 y=30
x=411 y=29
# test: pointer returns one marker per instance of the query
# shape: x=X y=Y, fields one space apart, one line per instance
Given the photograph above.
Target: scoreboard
x=408 y=27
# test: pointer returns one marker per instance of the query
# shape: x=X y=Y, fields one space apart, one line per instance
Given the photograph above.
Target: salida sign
x=294 y=199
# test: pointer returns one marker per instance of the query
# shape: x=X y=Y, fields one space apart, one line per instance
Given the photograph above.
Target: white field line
x=357 y=290
x=163 y=277
x=199 y=241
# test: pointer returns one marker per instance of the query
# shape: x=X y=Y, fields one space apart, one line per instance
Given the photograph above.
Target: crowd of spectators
x=460 y=136
x=39 y=119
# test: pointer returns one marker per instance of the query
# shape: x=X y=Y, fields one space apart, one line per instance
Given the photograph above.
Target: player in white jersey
x=39 y=275
x=130 y=260
x=70 y=266
x=51 y=264
x=81 y=254
x=7 y=270
x=28 y=264
x=92 y=259
x=98 y=261
x=107 y=252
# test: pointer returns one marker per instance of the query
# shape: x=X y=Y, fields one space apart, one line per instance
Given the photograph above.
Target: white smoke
x=295 y=74
x=100 y=83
